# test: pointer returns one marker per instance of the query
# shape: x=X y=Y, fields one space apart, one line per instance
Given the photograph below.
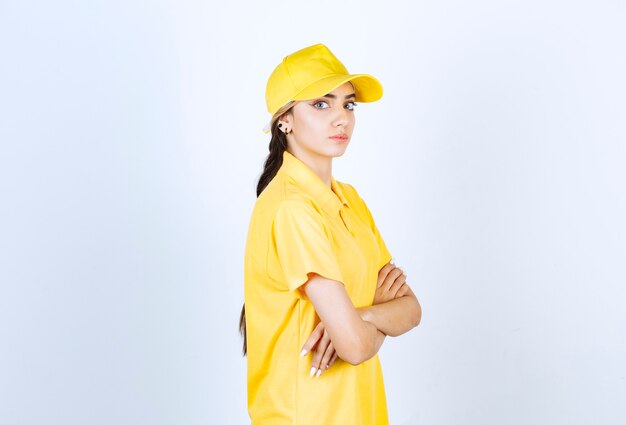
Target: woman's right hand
x=391 y=283
x=324 y=354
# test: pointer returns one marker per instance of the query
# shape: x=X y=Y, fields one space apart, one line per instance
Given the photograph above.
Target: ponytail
x=278 y=145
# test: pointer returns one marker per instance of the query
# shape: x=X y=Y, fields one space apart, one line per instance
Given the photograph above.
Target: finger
x=318 y=353
x=332 y=359
x=382 y=274
x=391 y=277
x=404 y=290
x=395 y=290
x=397 y=284
x=313 y=339
x=330 y=350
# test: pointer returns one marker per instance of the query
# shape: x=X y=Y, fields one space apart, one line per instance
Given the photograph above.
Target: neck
x=322 y=166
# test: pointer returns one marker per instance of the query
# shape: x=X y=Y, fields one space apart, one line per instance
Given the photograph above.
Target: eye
x=354 y=105
x=318 y=102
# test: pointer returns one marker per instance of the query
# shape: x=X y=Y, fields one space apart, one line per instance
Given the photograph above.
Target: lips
x=340 y=137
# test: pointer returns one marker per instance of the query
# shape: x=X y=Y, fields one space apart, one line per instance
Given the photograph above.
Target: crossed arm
x=356 y=334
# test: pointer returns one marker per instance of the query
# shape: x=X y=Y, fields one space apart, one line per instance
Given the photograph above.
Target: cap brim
x=367 y=88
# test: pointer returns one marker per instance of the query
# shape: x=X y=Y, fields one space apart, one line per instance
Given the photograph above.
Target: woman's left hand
x=324 y=354
x=391 y=283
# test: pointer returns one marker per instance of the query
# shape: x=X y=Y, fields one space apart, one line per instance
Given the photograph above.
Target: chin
x=339 y=150
x=332 y=151
x=336 y=153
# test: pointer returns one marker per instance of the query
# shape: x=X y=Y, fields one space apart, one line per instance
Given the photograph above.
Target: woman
x=320 y=291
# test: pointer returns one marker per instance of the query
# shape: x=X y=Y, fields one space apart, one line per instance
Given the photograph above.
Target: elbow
x=354 y=357
x=416 y=313
x=356 y=352
x=411 y=317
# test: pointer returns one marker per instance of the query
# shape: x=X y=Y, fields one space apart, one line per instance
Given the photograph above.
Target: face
x=314 y=122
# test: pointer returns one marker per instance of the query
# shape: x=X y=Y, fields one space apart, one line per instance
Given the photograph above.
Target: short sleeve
x=303 y=244
x=385 y=255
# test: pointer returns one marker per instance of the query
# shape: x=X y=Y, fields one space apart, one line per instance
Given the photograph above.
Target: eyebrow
x=332 y=96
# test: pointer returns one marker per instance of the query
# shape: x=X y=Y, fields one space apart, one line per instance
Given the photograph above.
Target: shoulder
x=281 y=194
x=283 y=188
x=297 y=222
x=296 y=210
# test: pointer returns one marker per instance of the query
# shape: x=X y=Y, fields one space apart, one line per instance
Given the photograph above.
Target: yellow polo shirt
x=299 y=225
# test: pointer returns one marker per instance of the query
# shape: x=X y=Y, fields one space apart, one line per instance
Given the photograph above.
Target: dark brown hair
x=278 y=145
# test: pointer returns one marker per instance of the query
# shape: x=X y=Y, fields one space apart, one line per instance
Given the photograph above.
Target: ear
x=286 y=118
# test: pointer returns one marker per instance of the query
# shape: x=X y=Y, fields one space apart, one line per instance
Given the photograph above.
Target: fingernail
x=327 y=366
x=303 y=352
x=313 y=369
x=319 y=372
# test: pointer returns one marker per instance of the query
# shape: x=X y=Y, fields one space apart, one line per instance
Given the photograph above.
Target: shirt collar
x=330 y=200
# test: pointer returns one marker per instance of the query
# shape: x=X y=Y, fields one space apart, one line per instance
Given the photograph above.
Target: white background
x=494 y=165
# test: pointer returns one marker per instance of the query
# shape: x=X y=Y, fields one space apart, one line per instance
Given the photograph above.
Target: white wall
x=494 y=165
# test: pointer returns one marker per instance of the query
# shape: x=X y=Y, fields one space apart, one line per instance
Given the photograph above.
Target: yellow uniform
x=299 y=225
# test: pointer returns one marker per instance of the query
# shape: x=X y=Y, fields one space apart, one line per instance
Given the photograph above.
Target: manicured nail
x=327 y=366
x=303 y=352
x=319 y=372
x=313 y=369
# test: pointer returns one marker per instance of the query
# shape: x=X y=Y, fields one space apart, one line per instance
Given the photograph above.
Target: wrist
x=365 y=314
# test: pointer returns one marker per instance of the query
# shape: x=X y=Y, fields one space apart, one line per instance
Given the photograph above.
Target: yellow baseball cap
x=311 y=72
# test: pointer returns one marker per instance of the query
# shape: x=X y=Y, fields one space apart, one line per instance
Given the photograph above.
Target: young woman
x=320 y=291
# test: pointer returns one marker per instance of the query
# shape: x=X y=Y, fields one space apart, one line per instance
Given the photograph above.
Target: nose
x=342 y=118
